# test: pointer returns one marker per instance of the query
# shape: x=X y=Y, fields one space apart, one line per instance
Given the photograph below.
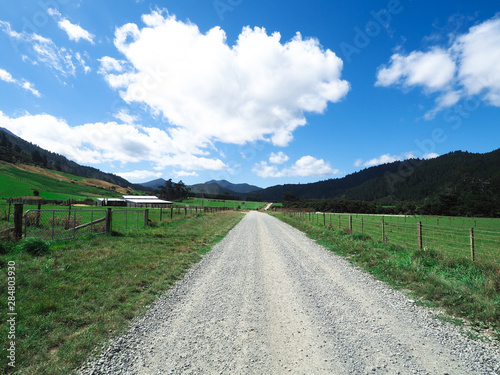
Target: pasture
x=22 y=181
x=199 y=202
x=441 y=274
x=448 y=235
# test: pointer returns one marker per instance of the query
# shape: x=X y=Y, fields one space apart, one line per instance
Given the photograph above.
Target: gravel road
x=268 y=300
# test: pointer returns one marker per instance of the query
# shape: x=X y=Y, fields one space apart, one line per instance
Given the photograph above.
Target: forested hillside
x=458 y=183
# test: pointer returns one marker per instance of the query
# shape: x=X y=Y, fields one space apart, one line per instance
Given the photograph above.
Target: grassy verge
x=71 y=299
x=463 y=288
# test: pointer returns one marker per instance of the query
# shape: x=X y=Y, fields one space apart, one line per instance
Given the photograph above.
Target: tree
x=172 y=191
x=37 y=157
x=288 y=196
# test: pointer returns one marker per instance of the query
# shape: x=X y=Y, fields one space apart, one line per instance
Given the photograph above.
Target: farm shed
x=112 y=202
x=145 y=201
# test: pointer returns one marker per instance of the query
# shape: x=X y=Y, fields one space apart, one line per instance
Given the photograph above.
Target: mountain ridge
x=237 y=188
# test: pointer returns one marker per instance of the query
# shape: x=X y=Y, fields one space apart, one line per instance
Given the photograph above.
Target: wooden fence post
x=362 y=226
x=472 y=247
x=339 y=223
x=324 y=219
x=38 y=214
x=18 y=221
x=146 y=217
x=350 y=223
x=419 y=235
x=383 y=231
x=109 y=220
x=171 y=212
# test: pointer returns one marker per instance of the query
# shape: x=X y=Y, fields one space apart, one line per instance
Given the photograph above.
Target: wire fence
x=63 y=224
x=451 y=236
x=60 y=224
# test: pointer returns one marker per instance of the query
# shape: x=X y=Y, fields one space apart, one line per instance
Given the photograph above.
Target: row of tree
x=172 y=191
x=451 y=203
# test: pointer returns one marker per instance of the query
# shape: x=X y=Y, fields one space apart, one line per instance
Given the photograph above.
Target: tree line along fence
x=63 y=224
x=482 y=245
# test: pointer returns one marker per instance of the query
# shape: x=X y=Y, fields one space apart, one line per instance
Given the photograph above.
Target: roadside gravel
x=269 y=300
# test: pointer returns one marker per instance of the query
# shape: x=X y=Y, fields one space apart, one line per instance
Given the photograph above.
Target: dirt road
x=268 y=300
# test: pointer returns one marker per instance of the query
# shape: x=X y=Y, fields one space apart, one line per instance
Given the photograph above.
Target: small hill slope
x=23 y=180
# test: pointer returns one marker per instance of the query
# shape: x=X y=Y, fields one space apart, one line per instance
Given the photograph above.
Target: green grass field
x=15 y=182
x=71 y=299
x=244 y=205
x=448 y=235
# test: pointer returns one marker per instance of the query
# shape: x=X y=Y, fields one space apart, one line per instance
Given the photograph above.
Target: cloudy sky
x=264 y=92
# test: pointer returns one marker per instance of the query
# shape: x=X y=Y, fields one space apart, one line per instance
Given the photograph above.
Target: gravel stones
x=268 y=300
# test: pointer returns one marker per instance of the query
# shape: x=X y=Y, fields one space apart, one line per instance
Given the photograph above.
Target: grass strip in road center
x=463 y=288
x=77 y=294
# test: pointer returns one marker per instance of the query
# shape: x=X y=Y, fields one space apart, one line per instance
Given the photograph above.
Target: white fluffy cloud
x=184 y=174
x=278 y=158
x=479 y=58
x=469 y=66
x=388 y=158
x=75 y=32
x=108 y=142
x=7 y=77
x=384 y=159
x=306 y=166
x=433 y=70
x=257 y=89
x=139 y=175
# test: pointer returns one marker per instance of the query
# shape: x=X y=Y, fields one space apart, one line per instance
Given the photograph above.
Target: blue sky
x=250 y=91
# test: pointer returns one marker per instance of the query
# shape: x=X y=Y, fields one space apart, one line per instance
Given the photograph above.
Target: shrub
x=3 y=248
x=35 y=246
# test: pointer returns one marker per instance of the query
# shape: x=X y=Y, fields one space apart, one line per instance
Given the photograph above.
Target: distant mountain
x=210 y=189
x=237 y=188
x=213 y=188
x=14 y=149
x=154 y=184
x=458 y=183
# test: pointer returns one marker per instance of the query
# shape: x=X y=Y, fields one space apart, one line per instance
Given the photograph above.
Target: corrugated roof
x=128 y=197
x=148 y=201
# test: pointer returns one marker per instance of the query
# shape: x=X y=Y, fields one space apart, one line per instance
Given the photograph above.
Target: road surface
x=268 y=300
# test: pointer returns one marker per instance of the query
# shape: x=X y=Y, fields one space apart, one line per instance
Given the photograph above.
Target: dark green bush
x=35 y=246
x=4 y=249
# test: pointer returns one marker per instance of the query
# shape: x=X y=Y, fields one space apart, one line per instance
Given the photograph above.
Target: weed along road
x=268 y=300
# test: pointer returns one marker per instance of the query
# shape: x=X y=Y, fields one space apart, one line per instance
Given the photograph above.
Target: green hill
x=18 y=151
x=23 y=180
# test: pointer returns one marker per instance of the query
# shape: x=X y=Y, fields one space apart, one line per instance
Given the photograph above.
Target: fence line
x=60 y=224
x=476 y=244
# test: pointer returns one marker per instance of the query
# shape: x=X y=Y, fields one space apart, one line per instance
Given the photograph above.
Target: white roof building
x=134 y=201
x=145 y=201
